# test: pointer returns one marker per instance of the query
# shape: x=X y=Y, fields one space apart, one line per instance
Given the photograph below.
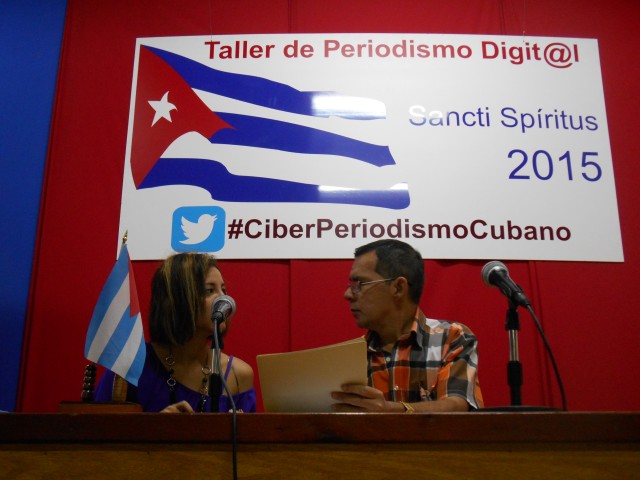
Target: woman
x=177 y=369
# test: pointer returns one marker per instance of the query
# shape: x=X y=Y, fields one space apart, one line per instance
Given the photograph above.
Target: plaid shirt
x=436 y=360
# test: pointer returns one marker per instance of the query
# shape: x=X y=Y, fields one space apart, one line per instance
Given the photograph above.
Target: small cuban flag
x=115 y=338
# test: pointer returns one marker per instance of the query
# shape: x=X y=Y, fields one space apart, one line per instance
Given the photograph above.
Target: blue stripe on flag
x=227 y=187
x=138 y=362
x=266 y=133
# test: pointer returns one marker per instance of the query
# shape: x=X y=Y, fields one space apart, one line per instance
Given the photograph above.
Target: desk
x=318 y=446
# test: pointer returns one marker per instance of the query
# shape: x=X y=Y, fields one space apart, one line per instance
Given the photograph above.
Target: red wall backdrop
x=586 y=309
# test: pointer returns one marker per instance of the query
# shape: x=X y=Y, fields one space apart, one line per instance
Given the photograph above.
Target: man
x=415 y=364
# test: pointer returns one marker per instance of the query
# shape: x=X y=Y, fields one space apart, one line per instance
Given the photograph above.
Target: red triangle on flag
x=187 y=113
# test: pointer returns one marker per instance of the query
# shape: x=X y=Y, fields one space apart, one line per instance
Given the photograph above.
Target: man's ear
x=401 y=287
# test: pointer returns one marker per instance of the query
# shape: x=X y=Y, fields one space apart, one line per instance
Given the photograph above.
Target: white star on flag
x=163 y=108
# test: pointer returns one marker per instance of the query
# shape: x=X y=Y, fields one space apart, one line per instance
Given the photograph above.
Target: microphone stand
x=215 y=379
x=514 y=367
x=495 y=274
x=216 y=383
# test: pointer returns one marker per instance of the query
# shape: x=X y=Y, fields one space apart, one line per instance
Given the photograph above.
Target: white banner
x=307 y=146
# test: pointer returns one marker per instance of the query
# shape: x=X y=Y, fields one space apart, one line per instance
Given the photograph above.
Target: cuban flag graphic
x=168 y=105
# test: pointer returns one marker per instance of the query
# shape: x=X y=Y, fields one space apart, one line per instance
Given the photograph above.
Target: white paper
x=302 y=381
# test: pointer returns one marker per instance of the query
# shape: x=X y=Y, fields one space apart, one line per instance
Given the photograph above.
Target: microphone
x=223 y=308
x=495 y=274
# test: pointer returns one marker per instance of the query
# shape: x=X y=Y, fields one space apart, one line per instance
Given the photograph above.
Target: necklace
x=170 y=362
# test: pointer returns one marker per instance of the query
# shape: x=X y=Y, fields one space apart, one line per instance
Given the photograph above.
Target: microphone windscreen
x=224 y=304
x=491 y=267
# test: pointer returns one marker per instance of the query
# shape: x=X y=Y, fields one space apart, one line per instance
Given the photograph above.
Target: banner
x=307 y=146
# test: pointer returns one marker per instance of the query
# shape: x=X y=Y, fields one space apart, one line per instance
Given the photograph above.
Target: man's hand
x=359 y=398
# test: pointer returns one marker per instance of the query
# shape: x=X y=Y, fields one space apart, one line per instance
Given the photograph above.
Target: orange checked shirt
x=436 y=360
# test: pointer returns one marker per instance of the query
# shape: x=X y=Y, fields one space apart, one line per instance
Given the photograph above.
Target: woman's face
x=213 y=288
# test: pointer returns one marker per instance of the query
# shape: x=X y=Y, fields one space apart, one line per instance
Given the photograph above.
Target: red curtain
x=586 y=308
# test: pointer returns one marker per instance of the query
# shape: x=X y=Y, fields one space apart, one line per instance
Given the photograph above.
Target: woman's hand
x=180 y=407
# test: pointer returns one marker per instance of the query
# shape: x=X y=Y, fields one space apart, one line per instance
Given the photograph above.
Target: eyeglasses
x=356 y=285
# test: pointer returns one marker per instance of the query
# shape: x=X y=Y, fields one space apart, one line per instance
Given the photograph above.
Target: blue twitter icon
x=198 y=229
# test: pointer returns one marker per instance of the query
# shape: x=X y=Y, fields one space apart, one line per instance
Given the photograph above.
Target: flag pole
x=119 y=392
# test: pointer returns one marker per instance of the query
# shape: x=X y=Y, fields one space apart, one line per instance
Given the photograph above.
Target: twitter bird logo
x=200 y=229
